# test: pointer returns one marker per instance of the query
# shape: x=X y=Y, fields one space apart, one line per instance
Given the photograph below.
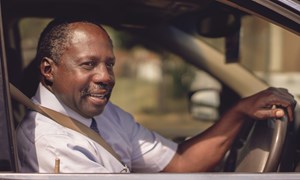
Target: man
x=76 y=64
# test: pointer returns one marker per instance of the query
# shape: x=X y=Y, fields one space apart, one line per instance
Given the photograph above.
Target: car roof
x=144 y=13
x=133 y=12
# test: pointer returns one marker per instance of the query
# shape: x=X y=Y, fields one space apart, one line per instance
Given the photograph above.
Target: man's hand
x=259 y=106
x=205 y=150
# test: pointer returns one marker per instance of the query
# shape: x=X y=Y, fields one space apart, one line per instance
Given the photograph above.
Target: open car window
x=151 y=83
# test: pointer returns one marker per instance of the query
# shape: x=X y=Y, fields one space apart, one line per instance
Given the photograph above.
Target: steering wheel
x=263 y=146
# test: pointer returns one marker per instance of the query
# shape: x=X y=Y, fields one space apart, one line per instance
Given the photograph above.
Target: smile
x=99 y=95
x=97 y=98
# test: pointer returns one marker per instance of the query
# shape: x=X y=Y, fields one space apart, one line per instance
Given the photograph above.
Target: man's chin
x=90 y=110
x=94 y=113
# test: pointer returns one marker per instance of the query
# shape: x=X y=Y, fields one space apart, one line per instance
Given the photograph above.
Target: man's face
x=84 y=78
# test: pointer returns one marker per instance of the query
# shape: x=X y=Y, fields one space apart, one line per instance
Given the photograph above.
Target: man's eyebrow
x=111 y=58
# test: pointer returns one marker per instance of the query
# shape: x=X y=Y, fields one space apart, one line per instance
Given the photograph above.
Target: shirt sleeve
x=151 y=151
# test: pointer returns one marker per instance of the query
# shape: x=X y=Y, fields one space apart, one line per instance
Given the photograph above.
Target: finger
x=282 y=94
x=279 y=113
x=290 y=111
x=285 y=92
x=289 y=107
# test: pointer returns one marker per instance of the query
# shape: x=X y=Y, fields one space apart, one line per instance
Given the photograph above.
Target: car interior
x=185 y=39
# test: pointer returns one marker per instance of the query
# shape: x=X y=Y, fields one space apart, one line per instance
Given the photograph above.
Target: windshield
x=268 y=51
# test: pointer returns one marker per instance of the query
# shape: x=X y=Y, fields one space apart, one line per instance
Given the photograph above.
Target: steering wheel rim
x=263 y=147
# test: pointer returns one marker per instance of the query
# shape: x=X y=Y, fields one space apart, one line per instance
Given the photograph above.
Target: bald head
x=57 y=35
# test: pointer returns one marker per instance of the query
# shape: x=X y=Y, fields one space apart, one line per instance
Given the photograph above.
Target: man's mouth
x=101 y=96
x=96 y=95
x=98 y=99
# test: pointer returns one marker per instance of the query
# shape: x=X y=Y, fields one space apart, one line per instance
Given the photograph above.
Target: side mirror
x=204 y=104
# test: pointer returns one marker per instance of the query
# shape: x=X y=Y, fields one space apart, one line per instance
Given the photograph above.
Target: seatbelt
x=62 y=119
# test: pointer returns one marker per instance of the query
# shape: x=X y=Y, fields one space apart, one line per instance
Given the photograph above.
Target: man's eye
x=111 y=65
x=88 y=64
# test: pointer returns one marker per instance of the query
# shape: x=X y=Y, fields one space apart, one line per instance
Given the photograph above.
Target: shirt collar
x=47 y=99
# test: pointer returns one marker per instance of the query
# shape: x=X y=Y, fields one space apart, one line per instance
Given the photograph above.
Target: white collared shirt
x=40 y=141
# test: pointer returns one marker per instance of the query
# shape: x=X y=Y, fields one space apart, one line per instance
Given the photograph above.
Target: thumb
x=269 y=113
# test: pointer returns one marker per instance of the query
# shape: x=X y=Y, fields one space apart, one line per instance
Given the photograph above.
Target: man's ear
x=46 y=68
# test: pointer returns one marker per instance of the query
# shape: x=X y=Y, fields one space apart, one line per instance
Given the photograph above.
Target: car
x=184 y=62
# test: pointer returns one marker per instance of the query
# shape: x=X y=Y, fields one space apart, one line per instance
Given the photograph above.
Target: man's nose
x=103 y=74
